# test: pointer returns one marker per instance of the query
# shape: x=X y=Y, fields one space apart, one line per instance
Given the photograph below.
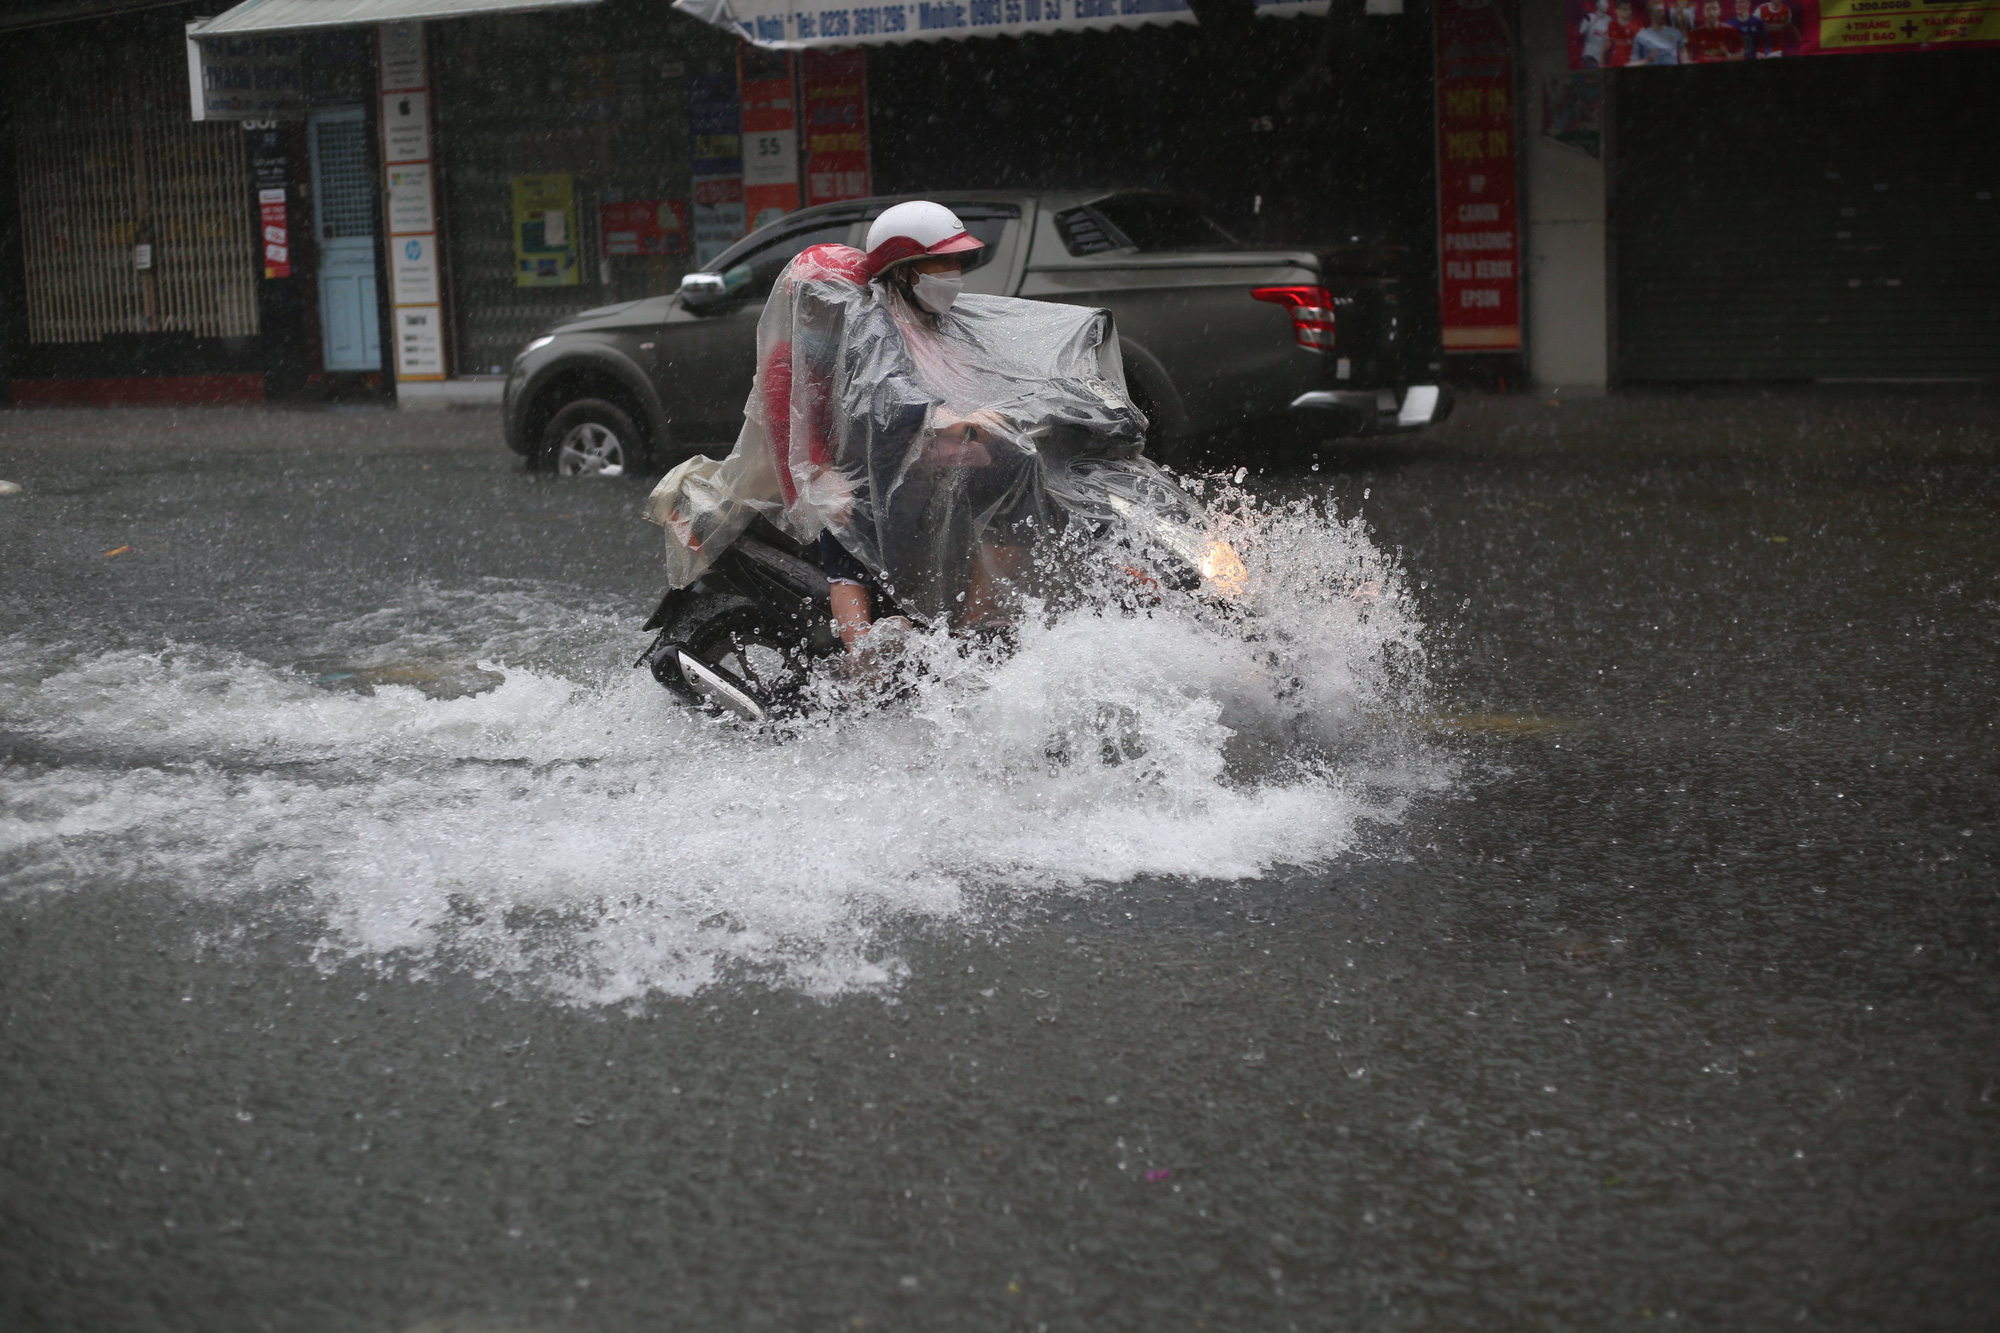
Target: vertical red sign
x=835 y=87
x=770 y=134
x=1479 y=294
x=277 y=233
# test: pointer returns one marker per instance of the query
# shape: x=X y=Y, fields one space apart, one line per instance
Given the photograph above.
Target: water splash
x=471 y=778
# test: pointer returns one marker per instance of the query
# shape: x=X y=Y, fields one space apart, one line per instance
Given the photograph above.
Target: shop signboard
x=415 y=293
x=1617 y=34
x=635 y=227
x=245 y=78
x=803 y=24
x=1479 y=295
x=715 y=128
x=834 y=88
x=545 y=252
x=770 y=135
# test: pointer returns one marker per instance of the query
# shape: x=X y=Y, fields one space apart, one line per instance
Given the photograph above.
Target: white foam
x=574 y=828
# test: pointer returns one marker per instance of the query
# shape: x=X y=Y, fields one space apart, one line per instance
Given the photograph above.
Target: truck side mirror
x=702 y=289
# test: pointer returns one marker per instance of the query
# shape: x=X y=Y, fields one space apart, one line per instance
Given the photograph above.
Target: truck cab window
x=751 y=273
x=1143 y=222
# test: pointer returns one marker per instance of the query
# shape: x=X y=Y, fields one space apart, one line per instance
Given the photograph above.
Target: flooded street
x=1593 y=924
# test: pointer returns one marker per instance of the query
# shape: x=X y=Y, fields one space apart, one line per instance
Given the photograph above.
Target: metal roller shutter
x=106 y=157
x=1829 y=218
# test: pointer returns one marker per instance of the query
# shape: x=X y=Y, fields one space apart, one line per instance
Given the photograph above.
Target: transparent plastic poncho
x=912 y=438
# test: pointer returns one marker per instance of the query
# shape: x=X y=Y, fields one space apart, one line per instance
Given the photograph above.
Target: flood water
x=1567 y=902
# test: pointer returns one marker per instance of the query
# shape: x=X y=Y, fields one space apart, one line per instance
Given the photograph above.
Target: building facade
x=390 y=212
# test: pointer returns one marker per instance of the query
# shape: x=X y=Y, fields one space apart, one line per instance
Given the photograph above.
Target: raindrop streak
x=474 y=779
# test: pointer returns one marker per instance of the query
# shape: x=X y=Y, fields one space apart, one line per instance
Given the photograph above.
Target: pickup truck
x=1215 y=335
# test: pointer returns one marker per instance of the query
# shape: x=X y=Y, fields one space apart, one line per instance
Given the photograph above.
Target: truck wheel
x=592 y=437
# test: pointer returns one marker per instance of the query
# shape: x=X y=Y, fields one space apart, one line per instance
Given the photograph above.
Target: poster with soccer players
x=1618 y=34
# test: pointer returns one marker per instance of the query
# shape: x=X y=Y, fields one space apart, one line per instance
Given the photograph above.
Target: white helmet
x=919 y=227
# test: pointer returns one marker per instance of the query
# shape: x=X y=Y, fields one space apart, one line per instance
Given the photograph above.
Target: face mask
x=936 y=291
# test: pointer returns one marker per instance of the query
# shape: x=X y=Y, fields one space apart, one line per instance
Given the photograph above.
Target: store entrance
x=344 y=223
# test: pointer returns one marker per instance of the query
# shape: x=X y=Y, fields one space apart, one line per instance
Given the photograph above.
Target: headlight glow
x=1221 y=566
x=536 y=344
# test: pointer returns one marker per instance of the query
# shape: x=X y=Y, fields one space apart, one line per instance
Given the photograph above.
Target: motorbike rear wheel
x=754 y=650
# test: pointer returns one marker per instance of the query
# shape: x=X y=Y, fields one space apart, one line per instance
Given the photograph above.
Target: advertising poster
x=715 y=125
x=1573 y=109
x=413 y=270
x=634 y=227
x=834 y=85
x=410 y=199
x=400 y=47
x=545 y=231
x=270 y=176
x=1479 y=296
x=1607 y=34
x=419 y=343
x=406 y=127
x=277 y=233
x=770 y=135
x=718 y=216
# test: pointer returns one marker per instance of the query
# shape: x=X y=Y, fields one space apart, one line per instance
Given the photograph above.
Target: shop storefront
x=157 y=256
x=283 y=200
x=564 y=164
x=132 y=254
x=1764 y=191
x=595 y=152
x=1809 y=220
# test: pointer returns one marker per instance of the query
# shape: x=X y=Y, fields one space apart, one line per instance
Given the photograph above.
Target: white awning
x=260 y=17
x=795 y=24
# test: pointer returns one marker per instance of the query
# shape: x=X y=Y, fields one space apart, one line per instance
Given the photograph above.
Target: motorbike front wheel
x=738 y=647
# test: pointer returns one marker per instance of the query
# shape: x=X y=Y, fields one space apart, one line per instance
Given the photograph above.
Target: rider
x=915 y=255
x=913 y=427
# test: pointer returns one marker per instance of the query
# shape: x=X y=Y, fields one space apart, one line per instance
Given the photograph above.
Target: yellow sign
x=1857 y=25
x=545 y=231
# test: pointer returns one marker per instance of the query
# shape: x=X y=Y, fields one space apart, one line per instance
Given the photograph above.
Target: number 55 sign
x=770 y=134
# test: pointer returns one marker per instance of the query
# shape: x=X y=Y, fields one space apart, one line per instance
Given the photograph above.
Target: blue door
x=344 y=222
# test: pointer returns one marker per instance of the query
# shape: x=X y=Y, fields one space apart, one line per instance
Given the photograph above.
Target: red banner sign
x=277 y=233
x=770 y=134
x=643 y=227
x=835 y=87
x=1479 y=293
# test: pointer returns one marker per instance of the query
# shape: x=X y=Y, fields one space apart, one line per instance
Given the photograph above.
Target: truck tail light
x=1312 y=313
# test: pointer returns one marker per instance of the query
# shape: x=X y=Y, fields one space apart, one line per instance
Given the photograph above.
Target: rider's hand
x=960 y=441
x=830 y=492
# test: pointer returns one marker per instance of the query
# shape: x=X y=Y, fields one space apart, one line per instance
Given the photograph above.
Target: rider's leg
x=853 y=611
x=997 y=571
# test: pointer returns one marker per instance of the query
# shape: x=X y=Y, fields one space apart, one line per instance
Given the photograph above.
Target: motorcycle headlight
x=1223 y=569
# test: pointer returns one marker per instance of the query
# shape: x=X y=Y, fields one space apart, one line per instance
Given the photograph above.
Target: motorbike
x=936 y=448
x=745 y=637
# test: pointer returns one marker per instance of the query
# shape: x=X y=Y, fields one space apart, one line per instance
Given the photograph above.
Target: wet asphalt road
x=1680 y=1007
